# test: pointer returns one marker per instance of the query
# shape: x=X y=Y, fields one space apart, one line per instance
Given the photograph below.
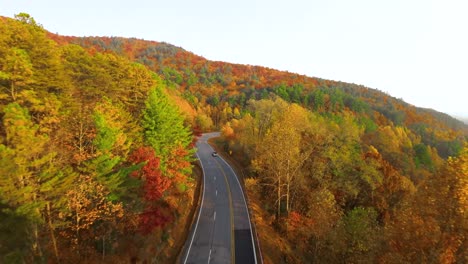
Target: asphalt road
x=222 y=232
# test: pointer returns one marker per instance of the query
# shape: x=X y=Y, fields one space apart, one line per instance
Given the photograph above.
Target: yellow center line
x=233 y=256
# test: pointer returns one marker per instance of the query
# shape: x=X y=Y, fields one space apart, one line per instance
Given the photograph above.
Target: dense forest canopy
x=341 y=192
x=88 y=163
x=96 y=152
x=214 y=88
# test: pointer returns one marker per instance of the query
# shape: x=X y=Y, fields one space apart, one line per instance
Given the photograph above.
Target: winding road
x=222 y=231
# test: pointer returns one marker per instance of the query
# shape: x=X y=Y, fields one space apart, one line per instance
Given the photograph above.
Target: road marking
x=214 y=216
x=216 y=192
x=246 y=208
x=231 y=210
x=204 y=184
x=199 y=212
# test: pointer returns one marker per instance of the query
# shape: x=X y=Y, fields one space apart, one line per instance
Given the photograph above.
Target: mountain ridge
x=159 y=56
x=147 y=52
x=342 y=172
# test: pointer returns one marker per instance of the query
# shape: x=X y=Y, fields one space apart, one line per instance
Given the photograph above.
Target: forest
x=96 y=156
x=341 y=193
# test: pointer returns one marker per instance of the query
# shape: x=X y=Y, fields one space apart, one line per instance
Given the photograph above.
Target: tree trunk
x=103 y=246
x=279 y=199
x=13 y=91
x=36 y=246
x=287 y=195
x=288 y=182
x=77 y=232
x=52 y=234
x=80 y=137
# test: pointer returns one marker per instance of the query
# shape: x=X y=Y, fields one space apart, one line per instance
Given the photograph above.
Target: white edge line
x=199 y=211
x=209 y=257
x=246 y=208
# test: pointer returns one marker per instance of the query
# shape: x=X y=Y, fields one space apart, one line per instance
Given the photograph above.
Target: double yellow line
x=233 y=248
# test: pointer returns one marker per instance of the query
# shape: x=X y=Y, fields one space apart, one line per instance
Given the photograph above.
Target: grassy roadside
x=274 y=248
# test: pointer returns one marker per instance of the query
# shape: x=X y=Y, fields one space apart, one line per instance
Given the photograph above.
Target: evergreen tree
x=30 y=186
x=112 y=146
x=164 y=129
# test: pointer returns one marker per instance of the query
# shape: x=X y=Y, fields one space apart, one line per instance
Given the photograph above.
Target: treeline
x=370 y=107
x=95 y=156
x=350 y=173
x=341 y=193
x=216 y=89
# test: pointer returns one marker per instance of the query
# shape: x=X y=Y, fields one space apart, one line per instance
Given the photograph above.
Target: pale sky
x=416 y=50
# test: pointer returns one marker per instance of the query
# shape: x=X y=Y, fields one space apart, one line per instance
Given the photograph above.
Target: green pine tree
x=163 y=124
x=165 y=132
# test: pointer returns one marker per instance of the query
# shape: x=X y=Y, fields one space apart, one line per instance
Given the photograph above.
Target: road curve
x=222 y=231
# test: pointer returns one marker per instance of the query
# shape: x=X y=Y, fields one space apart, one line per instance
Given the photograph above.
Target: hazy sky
x=412 y=49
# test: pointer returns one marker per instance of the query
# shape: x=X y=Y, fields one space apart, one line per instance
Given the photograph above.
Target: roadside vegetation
x=96 y=154
x=325 y=189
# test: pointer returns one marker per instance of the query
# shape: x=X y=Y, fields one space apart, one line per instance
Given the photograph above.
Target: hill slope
x=95 y=155
x=374 y=160
x=365 y=164
x=87 y=175
x=212 y=83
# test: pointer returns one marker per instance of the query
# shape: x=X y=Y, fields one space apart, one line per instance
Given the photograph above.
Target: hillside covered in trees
x=337 y=192
x=219 y=91
x=95 y=156
x=96 y=146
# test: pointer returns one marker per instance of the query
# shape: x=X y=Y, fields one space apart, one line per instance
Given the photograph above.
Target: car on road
x=214 y=154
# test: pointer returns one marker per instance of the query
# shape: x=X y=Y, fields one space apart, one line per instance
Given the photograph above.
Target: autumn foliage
x=340 y=193
x=83 y=166
x=154 y=187
x=96 y=144
x=154 y=183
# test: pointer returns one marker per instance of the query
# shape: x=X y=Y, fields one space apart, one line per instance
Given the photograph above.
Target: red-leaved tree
x=155 y=184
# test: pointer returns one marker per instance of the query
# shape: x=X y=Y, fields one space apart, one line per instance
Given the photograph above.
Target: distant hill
x=190 y=71
x=96 y=152
x=463 y=119
x=204 y=82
